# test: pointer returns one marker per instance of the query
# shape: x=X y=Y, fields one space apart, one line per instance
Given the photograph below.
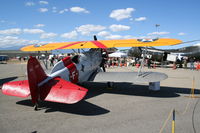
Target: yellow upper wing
x=103 y=44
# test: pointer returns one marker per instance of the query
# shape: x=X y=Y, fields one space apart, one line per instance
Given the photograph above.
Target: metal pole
x=157 y=25
x=142 y=63
x=173 y=122
x=46 y=65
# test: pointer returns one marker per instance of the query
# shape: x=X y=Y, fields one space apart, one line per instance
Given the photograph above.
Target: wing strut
x=142 y=63
x=46 y=65
x=44 y=60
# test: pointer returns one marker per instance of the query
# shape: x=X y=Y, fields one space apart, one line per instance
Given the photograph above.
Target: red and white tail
x=55 y=89
x=35 y=75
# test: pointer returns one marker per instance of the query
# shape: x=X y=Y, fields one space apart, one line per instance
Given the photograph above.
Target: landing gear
x=154 y=86
x=36 y=107
x=110 y=85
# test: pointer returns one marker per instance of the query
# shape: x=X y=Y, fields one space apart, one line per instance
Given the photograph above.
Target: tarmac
x=126 y=108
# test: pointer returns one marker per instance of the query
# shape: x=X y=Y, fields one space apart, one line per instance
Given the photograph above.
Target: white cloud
x=7 y=22
x=10 y=38
x=11 y=41
x=114 y=37
x=70 y=35
x=120 y=14
x=43 y=2
x=54 y=9
x=158 y=33
x=39 y=25
x=128 y=37
x=116 y=28
x=48 y=35
x=79 y=10
x=15 y=31
x=2 y=21
x=131 y=19
x=181 y=34
x=119 y=37
x=88 y=28
x=103 y=33
x=62 y=11
x=45 y=42
x=141 y=19
x=33 y=31
x=197 y=44
x=30 y=3
x=43 y=10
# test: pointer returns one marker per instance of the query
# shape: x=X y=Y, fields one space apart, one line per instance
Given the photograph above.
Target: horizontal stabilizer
x=62 y=91
x=16 y=88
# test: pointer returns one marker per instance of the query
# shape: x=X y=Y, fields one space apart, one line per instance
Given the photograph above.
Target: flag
x=157 y=25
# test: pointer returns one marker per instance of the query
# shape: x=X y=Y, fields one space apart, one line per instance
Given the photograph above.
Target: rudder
x=36 y=75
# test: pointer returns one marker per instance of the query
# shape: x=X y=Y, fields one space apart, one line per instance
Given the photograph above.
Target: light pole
x=157 y=25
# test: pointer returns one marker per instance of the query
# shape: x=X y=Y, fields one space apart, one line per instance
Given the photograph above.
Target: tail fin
x=36 y=75
x=56 y=89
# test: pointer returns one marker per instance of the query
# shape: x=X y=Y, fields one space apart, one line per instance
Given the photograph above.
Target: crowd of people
x=117 y=61
x=186 y=63
x=129 y=61
x=107 y=62
x=56 y=58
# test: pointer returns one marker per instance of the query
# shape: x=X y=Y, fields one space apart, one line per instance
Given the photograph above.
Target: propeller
x=104 y=56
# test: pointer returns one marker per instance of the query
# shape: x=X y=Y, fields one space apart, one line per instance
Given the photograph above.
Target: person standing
x=185 y=63
x=149 y=63
x=52 y=61
x=103 y=62
x=192 y=59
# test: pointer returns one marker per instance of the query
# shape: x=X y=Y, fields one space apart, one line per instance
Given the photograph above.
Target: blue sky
x=24 y=22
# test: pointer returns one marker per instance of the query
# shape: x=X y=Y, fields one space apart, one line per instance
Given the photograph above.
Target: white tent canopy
x=118 y=54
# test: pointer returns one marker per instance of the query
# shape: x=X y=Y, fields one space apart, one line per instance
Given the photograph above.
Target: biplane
x=63 y=83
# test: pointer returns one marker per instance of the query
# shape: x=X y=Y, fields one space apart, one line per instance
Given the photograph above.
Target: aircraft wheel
x=36 y=107
x=110 y=85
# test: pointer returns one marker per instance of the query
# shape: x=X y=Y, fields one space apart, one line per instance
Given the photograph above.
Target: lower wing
x=133 y=77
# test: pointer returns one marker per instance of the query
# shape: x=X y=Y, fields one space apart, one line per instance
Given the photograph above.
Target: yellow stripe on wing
x=102 y=44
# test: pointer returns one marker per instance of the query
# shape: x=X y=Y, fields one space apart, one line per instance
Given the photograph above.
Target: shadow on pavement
x=2 y=81
x=85 y=108
x=80 y=108
x=135 y=90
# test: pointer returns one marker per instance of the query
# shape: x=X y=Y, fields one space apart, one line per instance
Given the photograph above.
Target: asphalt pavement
x=126 y=108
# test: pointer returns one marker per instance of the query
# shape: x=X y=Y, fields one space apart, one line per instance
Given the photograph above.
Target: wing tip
x=16 y=88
